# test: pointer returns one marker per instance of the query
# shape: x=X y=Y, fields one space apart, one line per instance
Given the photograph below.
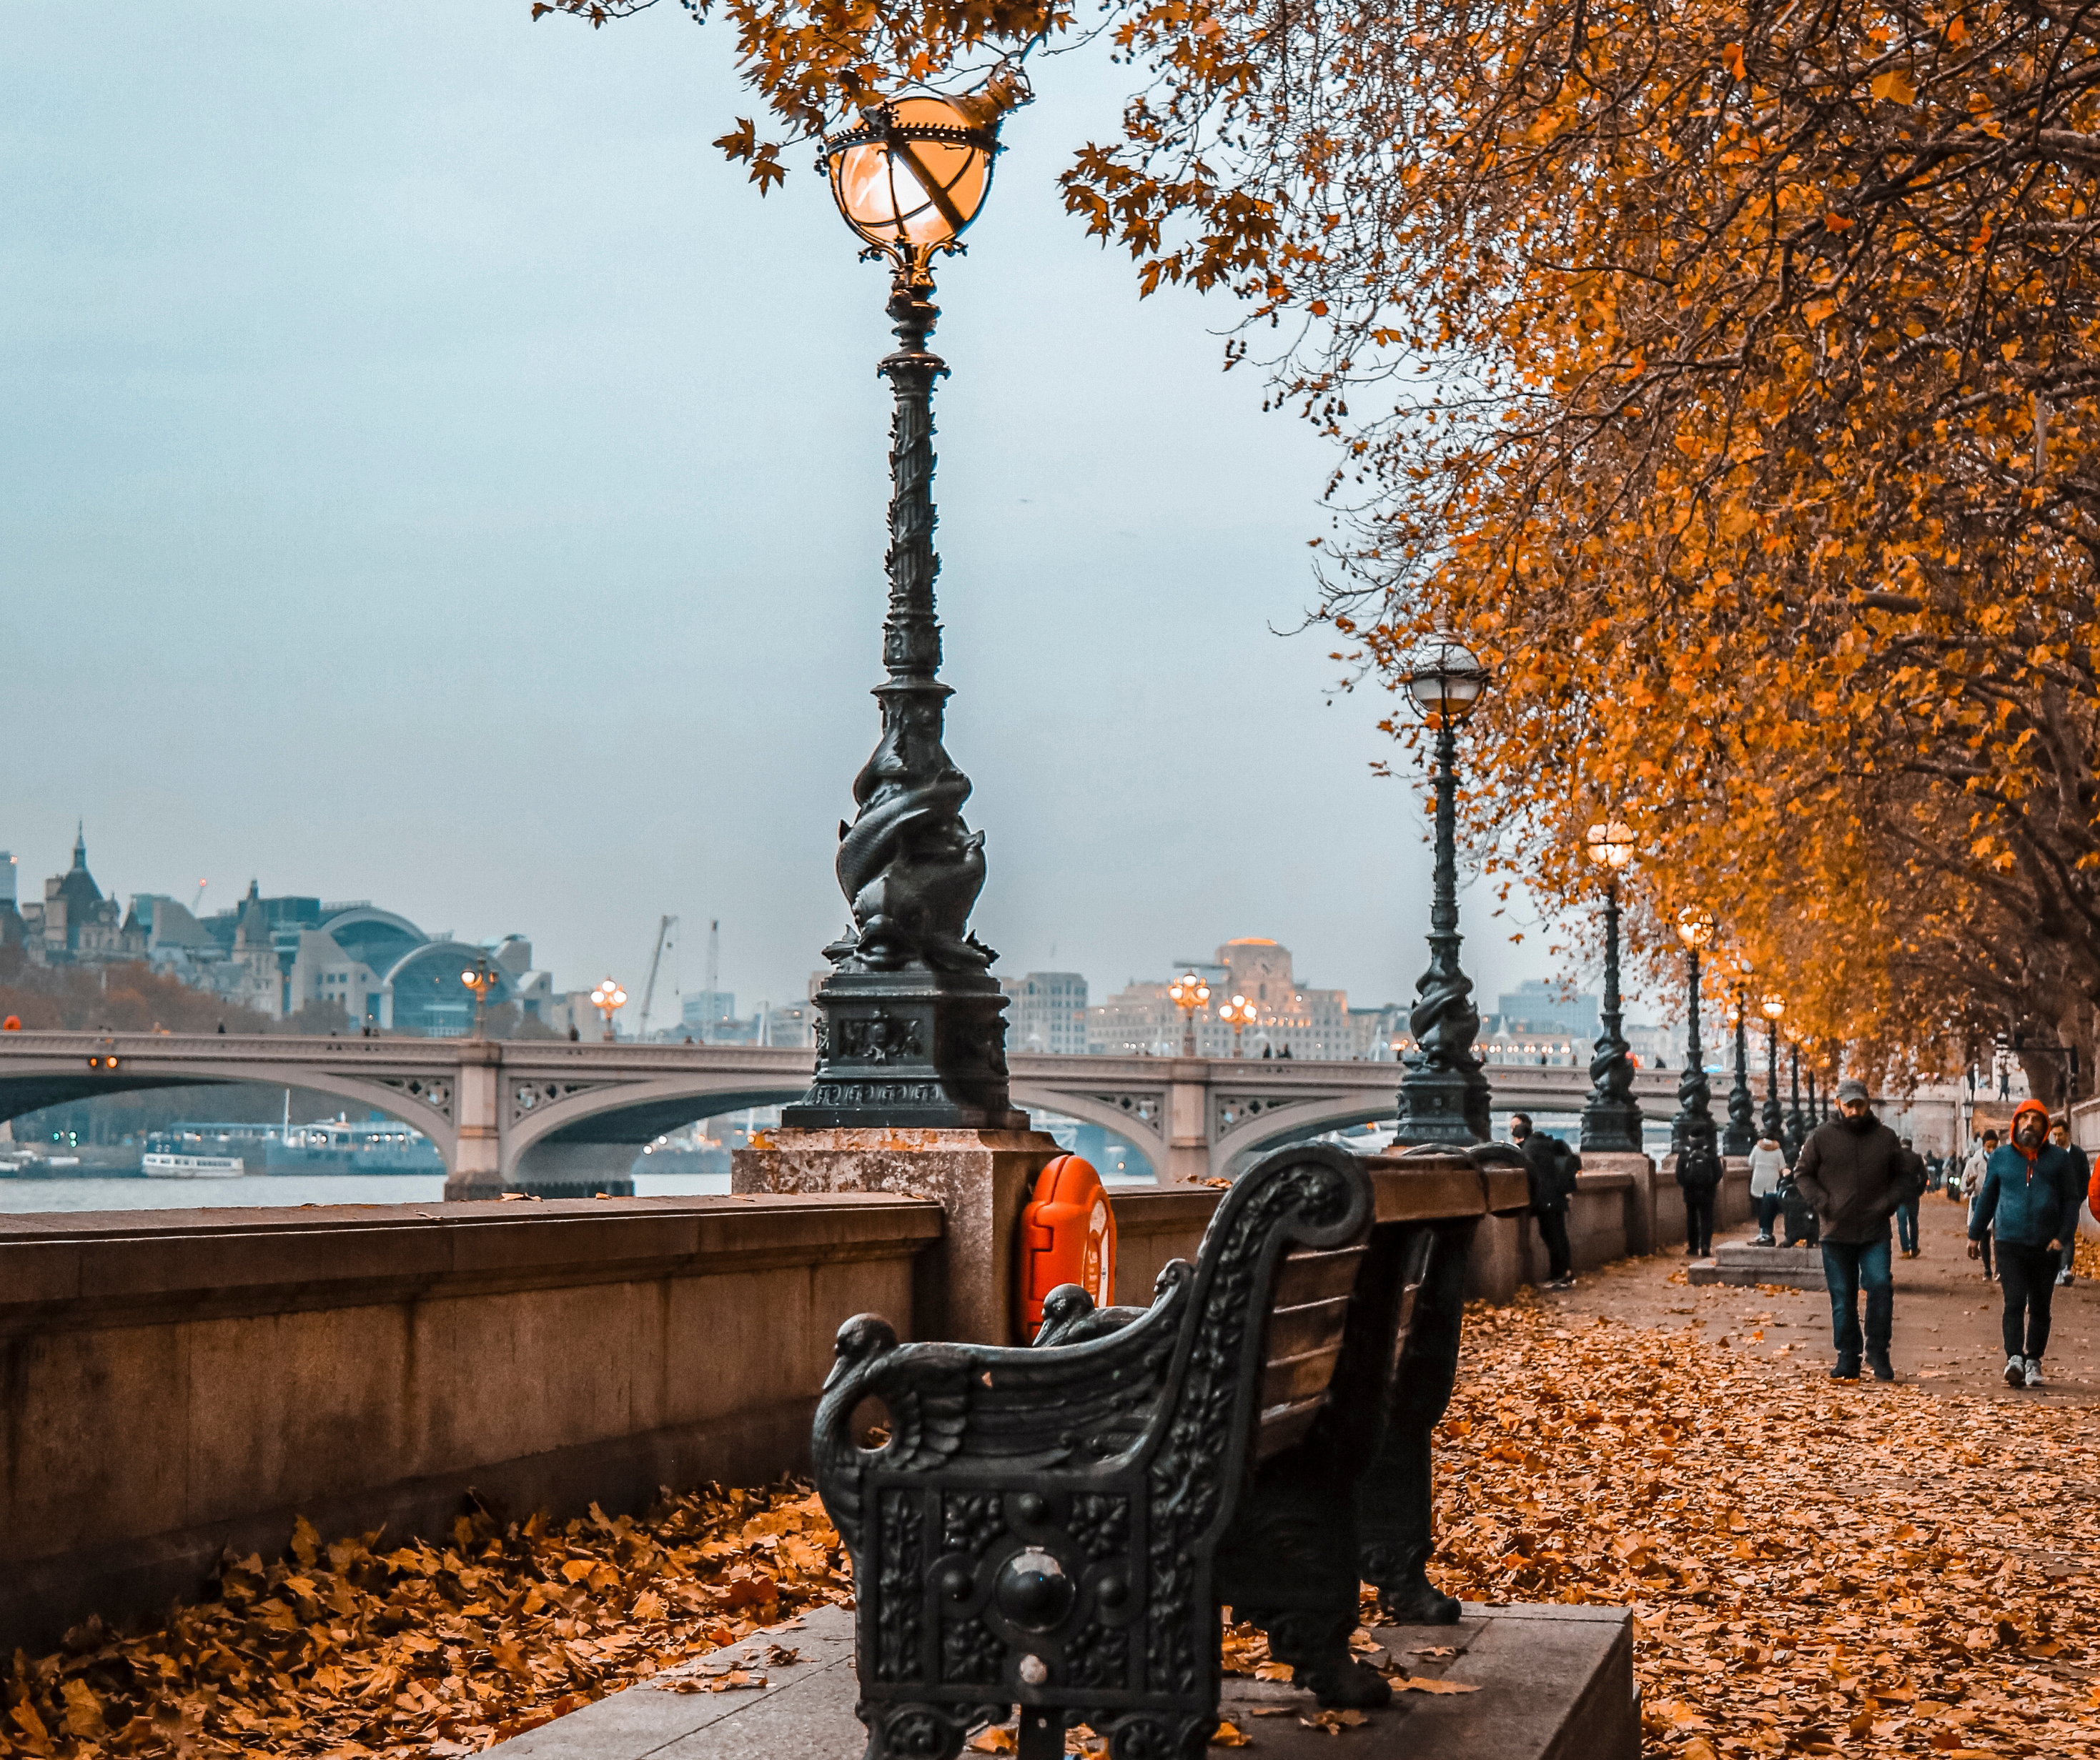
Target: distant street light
x=1612 y=1119
x=1444 y=1096
x=913 y=1030
x=1189 y=993
x=1741 y=1136
x=1238 y=1014
x=1774 y=1120
x=607 y=998
x=480 y=978
x=1692 y=1131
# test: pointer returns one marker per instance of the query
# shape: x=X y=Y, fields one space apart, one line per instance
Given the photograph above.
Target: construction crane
x=663 y=939
x=198 y=899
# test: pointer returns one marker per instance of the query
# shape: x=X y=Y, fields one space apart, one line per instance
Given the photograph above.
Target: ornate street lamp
x=607 y=999
x=1189 y=993
x=1238 y=1014
x=1612 y=1120
x=1692 y=1131
x=1741 y=1136
x=1773 y=1121
x=1444 y=1095
x=913 y=1031
x=1796 y=1126
x=480 y=978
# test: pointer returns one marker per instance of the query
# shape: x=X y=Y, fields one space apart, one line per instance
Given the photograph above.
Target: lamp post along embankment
x=910 y=1087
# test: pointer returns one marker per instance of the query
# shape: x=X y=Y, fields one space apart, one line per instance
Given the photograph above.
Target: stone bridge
x=545 y=1112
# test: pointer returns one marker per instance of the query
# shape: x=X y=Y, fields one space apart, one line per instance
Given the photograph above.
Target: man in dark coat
x=1549 y=1167
x=1854 y=1173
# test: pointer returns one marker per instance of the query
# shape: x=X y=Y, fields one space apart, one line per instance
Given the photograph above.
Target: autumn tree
x=1723 y=372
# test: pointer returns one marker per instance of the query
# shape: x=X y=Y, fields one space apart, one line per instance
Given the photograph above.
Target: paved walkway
x=1946 y=1335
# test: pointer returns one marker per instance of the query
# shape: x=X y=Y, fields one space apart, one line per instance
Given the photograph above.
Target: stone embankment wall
x=173 y=1383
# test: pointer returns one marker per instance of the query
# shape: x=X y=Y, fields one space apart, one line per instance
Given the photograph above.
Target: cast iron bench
x=1059 y=1526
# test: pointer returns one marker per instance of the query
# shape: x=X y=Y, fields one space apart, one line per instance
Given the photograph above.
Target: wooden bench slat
x=1288 y=1379
x=1309 y=1327
x=1283 y=1425
x=1309 y=1276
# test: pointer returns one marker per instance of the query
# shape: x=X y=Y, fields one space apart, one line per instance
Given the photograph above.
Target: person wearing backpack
x=1550 y=1168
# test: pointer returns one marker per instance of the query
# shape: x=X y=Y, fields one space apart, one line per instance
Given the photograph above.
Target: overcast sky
x=429 y=474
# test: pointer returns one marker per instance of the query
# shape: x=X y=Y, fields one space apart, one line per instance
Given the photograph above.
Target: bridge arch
x=27 y=1093
x=536 y=1115
x=1141 y=1134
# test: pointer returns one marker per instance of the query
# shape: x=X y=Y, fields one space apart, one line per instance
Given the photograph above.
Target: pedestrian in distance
x=1767 y=1163
x=2030 y=1200
x=2059 y=1133
x=1906 y=1212
x=1972 y=1183
x=1854 y=1174
x=1549 y=1168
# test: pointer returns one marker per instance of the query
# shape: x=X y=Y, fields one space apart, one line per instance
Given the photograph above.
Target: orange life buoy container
x=1067 y=1236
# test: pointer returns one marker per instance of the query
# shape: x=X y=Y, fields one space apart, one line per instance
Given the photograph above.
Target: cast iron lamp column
x=1692 y=1131
x=480 y=977
x=1774 y=1120
x=1444 y=1094
x=1238 y=1014
x=1189 y=993
x=1796 y=1126
x=608 y=998
x=1612 y=1119
x=912 y=1030
x=1741 y=1136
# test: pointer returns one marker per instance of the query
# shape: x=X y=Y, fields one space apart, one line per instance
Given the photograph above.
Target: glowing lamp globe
x=1773 y=1006
x=1611 y=845
x=1695 y=927
x=911 y=176
x=1445 y=678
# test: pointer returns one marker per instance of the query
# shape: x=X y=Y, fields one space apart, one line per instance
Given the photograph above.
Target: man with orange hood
x=2030 y=1198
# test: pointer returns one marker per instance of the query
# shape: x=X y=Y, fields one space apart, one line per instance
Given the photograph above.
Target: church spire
x=80 y=847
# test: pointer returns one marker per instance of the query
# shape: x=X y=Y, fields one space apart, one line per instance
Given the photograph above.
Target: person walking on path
x=2030 y=1198
x=1854 y=1174
x=1767 y=1162
x=1549 y=1167
x=1906 y=1211
x=2059 y=1133
x=1972 y=1183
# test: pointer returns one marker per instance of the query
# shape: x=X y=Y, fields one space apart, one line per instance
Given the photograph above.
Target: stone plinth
x=1637 y=1194
x=1547 y=1683
x=981 y=1179
x=1738 y=1262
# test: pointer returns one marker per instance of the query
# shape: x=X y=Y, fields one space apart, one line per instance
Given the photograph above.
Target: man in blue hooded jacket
x=2029 y=1198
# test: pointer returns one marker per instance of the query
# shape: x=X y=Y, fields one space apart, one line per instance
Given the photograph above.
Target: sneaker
x=1762 y=1240
x=1878 y=1361
x=2063 y=1277
x=2034 y=1373
x=2016 y=1371
x=1847 y=1369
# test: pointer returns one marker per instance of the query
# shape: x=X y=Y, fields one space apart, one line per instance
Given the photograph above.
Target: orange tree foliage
x=1723 y=372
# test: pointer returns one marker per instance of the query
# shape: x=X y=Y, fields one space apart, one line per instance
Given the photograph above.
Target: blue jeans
x=1907 y=1226
x=1848 y=1268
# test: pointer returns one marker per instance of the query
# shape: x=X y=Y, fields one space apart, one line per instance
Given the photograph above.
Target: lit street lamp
x=1444 y=1095
x=1692 y=1131
x=1741 y=1136
x=1612 y=1119
x=607 y=998
x=480 y=978
x=913 y=1031
x=1189 y=993
x=1773 y=1006
x=1238 y=1014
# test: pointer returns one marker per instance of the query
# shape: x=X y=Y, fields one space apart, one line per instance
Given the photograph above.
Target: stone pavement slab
x=1551 y=1682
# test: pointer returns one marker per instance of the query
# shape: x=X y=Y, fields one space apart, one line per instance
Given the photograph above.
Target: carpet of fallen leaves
x=348 y=1650
x=1815 y=1567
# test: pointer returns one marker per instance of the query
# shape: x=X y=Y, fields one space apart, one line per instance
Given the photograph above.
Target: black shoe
x=1847 y=1369
x=1419 y=1602
x=1878 y=1361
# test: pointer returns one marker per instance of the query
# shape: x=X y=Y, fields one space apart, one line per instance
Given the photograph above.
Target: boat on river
x=158 y=1163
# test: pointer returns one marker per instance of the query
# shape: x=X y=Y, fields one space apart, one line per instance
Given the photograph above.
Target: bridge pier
x=476 y=1168
x=1188 y=1132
